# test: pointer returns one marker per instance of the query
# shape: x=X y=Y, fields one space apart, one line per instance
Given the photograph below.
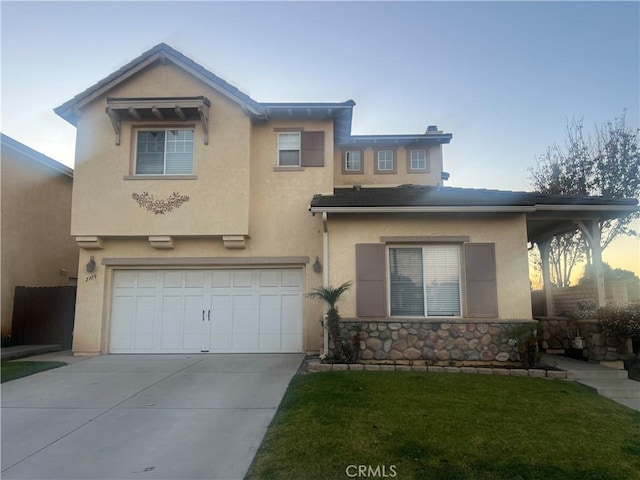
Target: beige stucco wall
x=36 y=219
x=279 y=224
x=402 y=175
x=507 y=232
x=93 y=306
x=219 y=198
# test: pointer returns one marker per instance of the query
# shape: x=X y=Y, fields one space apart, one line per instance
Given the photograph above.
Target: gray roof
x=341 y=112
x=431 y=196
x=30 y=153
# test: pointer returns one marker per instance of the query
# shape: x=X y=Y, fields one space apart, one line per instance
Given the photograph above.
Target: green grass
x=12 y=370
x=445 y=426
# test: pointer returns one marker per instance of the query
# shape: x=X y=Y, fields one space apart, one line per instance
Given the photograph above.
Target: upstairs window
x=418 y=160
x=385 y=162
x=300 y=149
x=164 y=152
x=353 y=161
x=289 y=149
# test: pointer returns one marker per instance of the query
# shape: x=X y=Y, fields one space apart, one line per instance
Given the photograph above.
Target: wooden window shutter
x=480 y=269
x=370 y=280
x=312 y=149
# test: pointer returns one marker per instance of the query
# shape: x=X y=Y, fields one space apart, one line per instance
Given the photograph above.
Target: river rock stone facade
x=557 y=335
x=432 y=343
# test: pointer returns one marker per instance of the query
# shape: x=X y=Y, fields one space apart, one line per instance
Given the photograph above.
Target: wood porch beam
x=157 y=113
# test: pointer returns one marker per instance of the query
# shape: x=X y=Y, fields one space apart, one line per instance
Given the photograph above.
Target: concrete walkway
x=142 y=416
x=608 y=382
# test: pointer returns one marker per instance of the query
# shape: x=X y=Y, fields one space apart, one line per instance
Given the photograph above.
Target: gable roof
x=160 y=53
x=340 y=112
x=31 y=154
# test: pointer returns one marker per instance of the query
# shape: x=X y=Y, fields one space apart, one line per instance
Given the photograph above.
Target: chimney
x=432 y=128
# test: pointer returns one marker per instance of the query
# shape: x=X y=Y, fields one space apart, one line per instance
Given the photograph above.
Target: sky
x=505 y=78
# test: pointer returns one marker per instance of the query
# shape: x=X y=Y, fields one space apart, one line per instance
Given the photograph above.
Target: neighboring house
x=37 y=247
x=204 y=216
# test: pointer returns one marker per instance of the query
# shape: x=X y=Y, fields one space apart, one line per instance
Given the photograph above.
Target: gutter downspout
x=325 y=274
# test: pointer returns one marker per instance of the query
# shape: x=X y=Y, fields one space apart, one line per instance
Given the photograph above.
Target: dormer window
x=164 y=152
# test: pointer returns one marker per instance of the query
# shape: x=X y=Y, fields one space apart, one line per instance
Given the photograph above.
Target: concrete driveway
x=143 y=416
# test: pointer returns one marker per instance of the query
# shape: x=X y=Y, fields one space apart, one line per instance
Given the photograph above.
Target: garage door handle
x=209 y=314
x=203 y=315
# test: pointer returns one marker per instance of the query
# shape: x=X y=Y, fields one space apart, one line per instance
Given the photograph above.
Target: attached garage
x=218 y=311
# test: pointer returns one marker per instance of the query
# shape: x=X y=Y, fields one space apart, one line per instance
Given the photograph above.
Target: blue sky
x=503 y=77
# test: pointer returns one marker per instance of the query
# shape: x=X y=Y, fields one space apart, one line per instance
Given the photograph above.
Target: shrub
x=623 y=320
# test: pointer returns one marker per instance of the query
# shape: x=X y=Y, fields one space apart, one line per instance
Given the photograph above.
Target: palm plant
x=331 y=295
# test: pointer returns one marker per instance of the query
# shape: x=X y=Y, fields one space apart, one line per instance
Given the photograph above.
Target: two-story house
x=204 y=216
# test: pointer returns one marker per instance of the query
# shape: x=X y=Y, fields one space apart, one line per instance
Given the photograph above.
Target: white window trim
x=299 y=150
x=164 y=160
x=346 y=164
x=424 y=286
x=426 y=160
x=393 y=159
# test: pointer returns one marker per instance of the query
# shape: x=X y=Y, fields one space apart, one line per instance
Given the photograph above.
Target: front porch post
x=546 y=276
x=591 y=231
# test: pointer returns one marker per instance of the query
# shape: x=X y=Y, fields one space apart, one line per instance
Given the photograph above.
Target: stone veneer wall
x=556 y=333
x=455 y=342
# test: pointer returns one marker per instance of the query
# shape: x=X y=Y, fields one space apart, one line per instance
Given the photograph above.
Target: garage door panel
x=242 y=278
x=147 y=279
x=124 y=279
x=269 y=343
x=173 y=279
x=220 y=279
x=270 y=278
x=172 y=323
x=194 y=279
x=269 y=322
x=194 y=324
x=292 y=278
x=291 y=314
x=291 y=343
x=122 y=321
x=244 y=317
x=251 y=310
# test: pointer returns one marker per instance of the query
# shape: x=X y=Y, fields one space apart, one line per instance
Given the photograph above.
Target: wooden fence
x=44 y=315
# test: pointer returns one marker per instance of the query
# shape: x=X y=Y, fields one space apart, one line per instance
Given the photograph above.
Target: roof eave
x=25 y=151
x=427 y=209
x=162 y=52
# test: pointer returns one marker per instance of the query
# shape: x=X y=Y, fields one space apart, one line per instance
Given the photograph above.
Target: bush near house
x=623 y=320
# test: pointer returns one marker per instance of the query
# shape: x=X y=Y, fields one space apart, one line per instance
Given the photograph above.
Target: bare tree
x=605 y=164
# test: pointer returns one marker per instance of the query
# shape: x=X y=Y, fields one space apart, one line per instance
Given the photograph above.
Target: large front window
x=425 y=281
x=164 y=152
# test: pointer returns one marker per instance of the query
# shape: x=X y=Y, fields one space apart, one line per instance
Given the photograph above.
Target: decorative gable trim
x=158 y=108
x=163 y=53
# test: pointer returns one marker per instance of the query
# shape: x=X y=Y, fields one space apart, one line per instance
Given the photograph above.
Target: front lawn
x=12 y=370
x=447 y=426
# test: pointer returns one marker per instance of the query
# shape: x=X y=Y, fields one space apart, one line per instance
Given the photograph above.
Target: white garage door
x=187 y=311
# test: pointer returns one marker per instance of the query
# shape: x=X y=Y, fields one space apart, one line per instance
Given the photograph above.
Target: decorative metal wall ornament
x=146 y=200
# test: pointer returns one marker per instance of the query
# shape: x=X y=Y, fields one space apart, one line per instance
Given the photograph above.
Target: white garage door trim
x=215 y=310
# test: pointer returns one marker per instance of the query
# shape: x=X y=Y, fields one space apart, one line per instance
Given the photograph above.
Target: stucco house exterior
x=204 y=216
x=37 y=247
